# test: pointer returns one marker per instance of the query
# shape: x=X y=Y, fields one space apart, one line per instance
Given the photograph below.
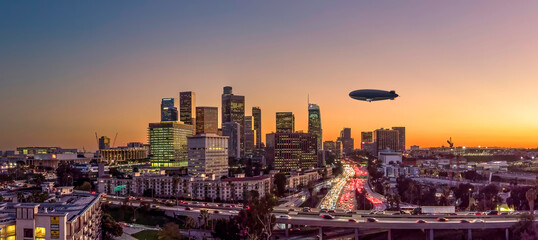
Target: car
x=352 y=220
x=307 y=209
x=471 y=213
x=442 y=219
x=493 y=212
x=332 y=211
x=504 y=213
x=477 y=213
x=188 y=208
x=421 y=221
x=284 y=216
x=452 y=214
x=216 y=211
x=464 y=221
x=291 y=210
x=478 y=221
x=327 y=216
x=372 y=220
x=350 y=212
x=234 y=212
x=323 y=210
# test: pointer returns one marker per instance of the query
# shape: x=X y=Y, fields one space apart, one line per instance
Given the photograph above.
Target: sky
x=463 y=69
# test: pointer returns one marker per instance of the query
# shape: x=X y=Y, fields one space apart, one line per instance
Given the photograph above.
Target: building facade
x=207 y=120
x=387 y=139
x=208 y=155
x=168 y=110
x=285 y=122
x=233 y=110
x=401 y=138
x=291 y=151
x=187 y=105
x=314 y=123
x=250 y=136
x=348 y=143
x=104 y=142
x=233 y=131
x=168 y=144
x=257 y=121
x=122 y=154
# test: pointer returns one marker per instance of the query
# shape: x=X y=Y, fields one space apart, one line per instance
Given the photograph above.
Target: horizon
x=462 y=71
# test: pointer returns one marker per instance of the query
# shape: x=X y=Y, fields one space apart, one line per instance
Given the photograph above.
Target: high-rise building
x=233 y=131
x=207 y=120
x=329 y=146
x=168 y=110
x=401 y=138
x=250 y=136
x=285 y=122
x=314 y=123
x=187 y=105
x=386 y=139
x=348 y=143
x=208 y=155
x=104 y=142
x=233 y=110
x=366 y=137
x=257 y=119
x=291 y=151
x=168 y=144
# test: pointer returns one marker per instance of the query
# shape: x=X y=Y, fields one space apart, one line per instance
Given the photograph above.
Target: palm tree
x=189 y=224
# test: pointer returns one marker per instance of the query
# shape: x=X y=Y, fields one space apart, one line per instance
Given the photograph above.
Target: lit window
x=40 y=232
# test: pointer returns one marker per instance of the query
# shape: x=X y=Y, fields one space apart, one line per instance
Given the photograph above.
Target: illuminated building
x=207 y=120
x=387 y=139
x=233 y=110
x=291 y=151
x=52 y=160
x=250 y=136
x=314 y=123
x=76 y=215
x=42 y=150
x=208 y=155
x=257 y=121
x=168 y=144
x=122 y=154
x=168 y=110
x=187 y=105
x=233 y=131
x=348 y=143
x=285 y=122
x=366 y=137
x=104 y=142
x=401 y=138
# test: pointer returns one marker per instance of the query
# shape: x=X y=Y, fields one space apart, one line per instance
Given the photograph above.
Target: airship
x=373 y=95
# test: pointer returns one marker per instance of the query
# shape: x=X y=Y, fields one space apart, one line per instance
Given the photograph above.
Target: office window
x=40 y=232
x=28 y=233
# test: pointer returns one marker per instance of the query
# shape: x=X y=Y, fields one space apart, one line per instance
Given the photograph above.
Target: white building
x=390 y=157
x=208 y=155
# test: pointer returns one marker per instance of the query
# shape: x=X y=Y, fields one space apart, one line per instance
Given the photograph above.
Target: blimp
x=370 y=95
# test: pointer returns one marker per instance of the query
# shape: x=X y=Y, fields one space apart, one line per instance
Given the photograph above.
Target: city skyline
x=465 y=72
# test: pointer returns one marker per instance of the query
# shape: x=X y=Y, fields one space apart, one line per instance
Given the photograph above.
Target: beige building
x=112 y=155
x=76 y=216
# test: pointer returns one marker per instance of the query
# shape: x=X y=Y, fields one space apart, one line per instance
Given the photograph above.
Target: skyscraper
x=104 y=142
x=168 y=144
x=187 y=105
x=233 y=110
x=348 y=143
x=386 y=139
x=401 y=138
x=366 y=137
x=285 y=122
x=257 y=119
x=208 y=155
x=250 y=136
x=291 y=151
x=168 y=110
x=233 y=131
x=207 y=120
x=314 y=123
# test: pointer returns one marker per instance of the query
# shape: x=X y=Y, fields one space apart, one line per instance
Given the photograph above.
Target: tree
x=524 y=228
x=204 y=219
x=257 y=221
x=86 y=186
x=66 y=174
x=110 y=227
x=226 y=229
x=530 y=195
x=170 y=231
x=280 y=183
x=150 y=192
x=189 y=224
